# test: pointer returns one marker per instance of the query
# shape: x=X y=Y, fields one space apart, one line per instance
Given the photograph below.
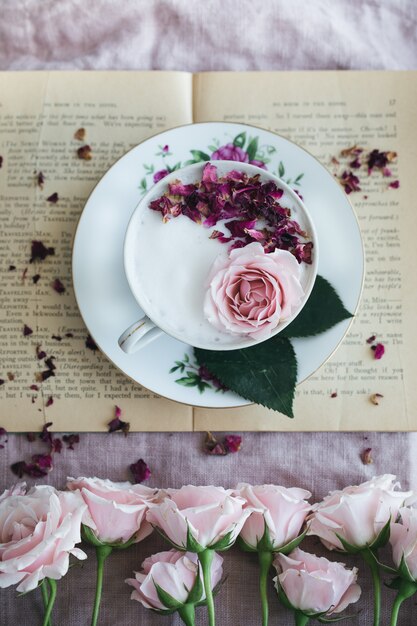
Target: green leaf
x=202 y=386
x=192 y=544
x=212 y=148
x=166 y=599
x=187 y=381
x=382 y=538
x=314 y=317
x=244 y=546
x=239 y=140
x=265 y=373
x=223 y=543
x=404 y=571
x=348 y=547
x=281 y=169
x=143 y=184
x=198 y=156
x=290 y=546
x=252 y=148
x=89 y=537
x=297 y=180
x=197 y=591
x=333 y=620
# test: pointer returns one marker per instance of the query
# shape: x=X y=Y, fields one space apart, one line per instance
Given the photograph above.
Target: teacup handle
x=138 y=335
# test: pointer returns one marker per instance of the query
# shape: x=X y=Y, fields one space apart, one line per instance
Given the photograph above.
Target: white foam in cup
x=167 y=265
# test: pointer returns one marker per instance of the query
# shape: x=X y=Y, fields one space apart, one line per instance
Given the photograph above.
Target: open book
x=323 y=111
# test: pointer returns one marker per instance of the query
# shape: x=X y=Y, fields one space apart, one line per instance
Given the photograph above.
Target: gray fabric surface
x=318 y=462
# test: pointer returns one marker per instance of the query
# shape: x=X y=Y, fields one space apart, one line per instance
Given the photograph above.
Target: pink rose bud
x=251 y=292
x=38 y=533
x=195 y=518
x=358 y=514
x=280 y=513
x=177 y=574
x=314 y=585
x=115 y=511
x=403 y=540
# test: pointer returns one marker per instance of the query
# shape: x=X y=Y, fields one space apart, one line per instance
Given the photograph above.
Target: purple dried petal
x=41 y=354
x=56 y=337
x=36 y=278
x=3 y=435
x=350 y=182
x=40 y=377
x=19 y=468
x=45 y=435
x=49 y=401
x=56 y=445
x=27 y=330
x=58 y=286
x=1 y=162
x=12 y=268
x=371 y=339
x=395 y=184
x=39 y=251
x=116 y=424
x=366 y=456
x=53 y=198
x=209 y=173
x=90 y=343
x=34 y=387
x=85 y=153
x=71 y=440
x=213 y=447
x=355 y=163
x=333 y=394
x=379 y=351
x=69 y=335
x=386 y=172
x=140 y=471
x=233 y=443
x=31 y=437
x=2 y=381
x=49 y=362
x=43 y=461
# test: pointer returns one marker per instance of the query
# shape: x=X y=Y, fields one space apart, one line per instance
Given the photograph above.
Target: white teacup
x=167 y=264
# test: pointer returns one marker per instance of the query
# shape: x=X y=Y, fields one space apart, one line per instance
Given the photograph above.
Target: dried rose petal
x=53 y=198
x=69 y=335
x=30 y=437
x=34 y=387
x=45 y=435
x=140 y=471
x=349 y=181
x=49 y=362
x=2 y=381
x=233 y=443
x=85 y=153
x=40 y=377
x=27 y=330
x=379 y=350
x=41 y=354
x=366 y=456
x=40 y=179
x=36 y=278
x=79 y=134
x=371 y=339
x=12 y=268
x=375 y=398
x=49 y=401
x=58 y=286
x=3 y=436
x=24 y=274
x=71 y=440
x=11 y=376
x=395 y=184
x=39 y=251
x=56 y=337
x=334 y=394
x=18 y=468
x=352 y=151
x=42 y=461
x=117 y=424
x=56 y=445
x=212 y=446
x=1 y=162
x=90 y=343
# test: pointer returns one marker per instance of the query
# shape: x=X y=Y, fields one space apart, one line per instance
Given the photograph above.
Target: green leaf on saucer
x=322 y=310
x=265 y=373
x=252 y=148
x=200 y=156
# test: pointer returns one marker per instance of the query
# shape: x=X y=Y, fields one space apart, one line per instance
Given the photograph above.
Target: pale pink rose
x=116 y=511
x=282 y=513
x=16 y=490
x=250 y=292
x=176 y=573
x=358 y=513
x=315 y=585
x=403 y=540
x=211 y=514
x=38 y=532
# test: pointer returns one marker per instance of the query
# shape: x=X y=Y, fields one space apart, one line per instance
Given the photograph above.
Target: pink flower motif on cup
x=280 y=513
x=250 y=292
x=115 y=511
x=403 y=540
x=358 y=513
x=314 y=585
x=159 y=175
x=230 y=152
x=38 y=533
x=176 y=574
x=211 y=516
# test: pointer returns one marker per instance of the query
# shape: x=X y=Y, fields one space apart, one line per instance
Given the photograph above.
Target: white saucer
x=102 y=292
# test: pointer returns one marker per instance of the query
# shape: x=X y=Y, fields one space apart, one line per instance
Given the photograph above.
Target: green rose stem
x=102 y=552
x=265 y=562
x=45 y=597
x=406 y=590
x=51 y=601
x=206 y=558
x=301 y=619
x=371 y=559
x=187 y=614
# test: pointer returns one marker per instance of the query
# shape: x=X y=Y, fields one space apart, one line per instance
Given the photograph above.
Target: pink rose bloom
x=176 y=573
x=115 y=511
x=160 y=175
x=16 y=490
x=403 y=540
x=38 y=532
x=359 y=513
x=251 y=292
x=212 y=515
x=230 y=152
x=280 y=512
x=315 y=585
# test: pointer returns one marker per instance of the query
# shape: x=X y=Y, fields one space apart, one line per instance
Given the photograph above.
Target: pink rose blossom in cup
x=358 y=514
x=115 y=511
x=210 y=515
x=280 y=512
x=38 y=533
x=252 y=291
x=403 y=540
x=175 y=573
x=314 y=585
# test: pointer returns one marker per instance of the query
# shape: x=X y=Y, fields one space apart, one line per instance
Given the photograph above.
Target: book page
x=326 y=112
x=39 y=114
